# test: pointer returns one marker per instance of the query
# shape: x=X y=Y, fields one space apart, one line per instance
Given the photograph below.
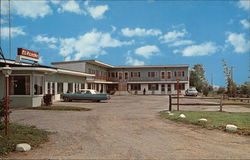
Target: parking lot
x=127 y=127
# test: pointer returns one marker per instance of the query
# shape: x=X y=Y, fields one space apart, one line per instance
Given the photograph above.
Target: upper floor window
x=152 y=74
x=126 y=75
x=162 y=75
x=135 y=74
x=120 y=75
x=169 y=75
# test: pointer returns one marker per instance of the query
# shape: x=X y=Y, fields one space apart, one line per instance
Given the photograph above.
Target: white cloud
x=55 y=1
x=132 y=61
x=67 y=46
x=140 y=32
x=45 y=39
x=245 y=23
x=173 y=36
x=15 y=31
x=200 y=50
x=238 y=41
x=147 y=51
x=70 y=6
x=97 y=12
x=31 y=9
x=91 y=44
x=181 y=43
x=245 y=4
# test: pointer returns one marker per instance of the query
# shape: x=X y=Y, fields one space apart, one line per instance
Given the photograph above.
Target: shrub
x=221 y=90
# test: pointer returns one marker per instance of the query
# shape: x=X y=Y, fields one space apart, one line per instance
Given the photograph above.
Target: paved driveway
x=124 y=128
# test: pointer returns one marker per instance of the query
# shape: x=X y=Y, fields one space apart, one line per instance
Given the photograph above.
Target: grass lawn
x=59 y=108
x=217 y=120
x=21 y=134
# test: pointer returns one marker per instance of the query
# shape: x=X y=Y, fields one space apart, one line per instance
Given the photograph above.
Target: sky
x=142 y=32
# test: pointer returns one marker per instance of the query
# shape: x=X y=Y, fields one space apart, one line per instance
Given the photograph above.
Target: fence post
x=221 y=98
x=170 y=103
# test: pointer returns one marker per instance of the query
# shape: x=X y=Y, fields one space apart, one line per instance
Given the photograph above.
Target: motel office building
x=160 y=79
x=29 y=82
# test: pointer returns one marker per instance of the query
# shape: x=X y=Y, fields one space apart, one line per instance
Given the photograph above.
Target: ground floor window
x=135 y=87
x=181 y=86
x=82 y=86
x=153 y=87
x=89 y=85
x=163 y=87
x=38 y=85
x=70 y=87
x=59 y=87
x=169 y=87
x=19 y=85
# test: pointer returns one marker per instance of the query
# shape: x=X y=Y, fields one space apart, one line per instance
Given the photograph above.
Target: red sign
x=28 y=53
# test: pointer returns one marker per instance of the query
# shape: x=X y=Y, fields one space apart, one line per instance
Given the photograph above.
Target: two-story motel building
x=154 y=79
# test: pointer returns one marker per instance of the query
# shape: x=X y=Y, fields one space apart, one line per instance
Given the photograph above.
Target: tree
x=197 y=77
x=245 y=89
x=231 y=86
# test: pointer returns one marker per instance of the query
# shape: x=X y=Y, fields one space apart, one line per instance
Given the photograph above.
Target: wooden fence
x=219 y=103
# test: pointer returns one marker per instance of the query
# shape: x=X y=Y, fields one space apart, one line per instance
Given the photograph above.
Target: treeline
x=198 y=80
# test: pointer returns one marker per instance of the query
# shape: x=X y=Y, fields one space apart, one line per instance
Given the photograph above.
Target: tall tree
x=197 y=77
x=231 y=86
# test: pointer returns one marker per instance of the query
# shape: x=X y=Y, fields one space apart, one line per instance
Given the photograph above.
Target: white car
x=191 y=92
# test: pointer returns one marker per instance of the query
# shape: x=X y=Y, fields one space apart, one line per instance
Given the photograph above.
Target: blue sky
x=134 y=33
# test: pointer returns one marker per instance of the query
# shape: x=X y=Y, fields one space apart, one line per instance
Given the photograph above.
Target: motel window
x=135 y=87
x=48 y=88
x=169 y=87
x=183 y=73
x=38 y=85
x=152 y=74
x=120 y=75
x=179 y=73
x=53 y=88
x=126 y=75
x=82 y=86
x=181 y=86
x=89 y=85
x=113 y=74
x=175 y=74
x=135 y=74
x=153 y=87
x=70 y=87
x=169 y=75
x=131 y=74
x=59 y=87
x=19 y=85
x=162 y=75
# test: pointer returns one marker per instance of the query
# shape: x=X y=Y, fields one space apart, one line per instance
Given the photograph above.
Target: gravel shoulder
x=123 y=128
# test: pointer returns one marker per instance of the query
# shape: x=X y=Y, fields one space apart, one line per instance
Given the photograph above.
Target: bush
x=221 y=90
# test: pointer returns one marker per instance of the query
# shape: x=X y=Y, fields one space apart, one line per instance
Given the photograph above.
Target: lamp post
x=6 y=71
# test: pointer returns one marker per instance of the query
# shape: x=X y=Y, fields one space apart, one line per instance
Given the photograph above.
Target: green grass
x=217 y=120
x=21 y=134
x=59 y=108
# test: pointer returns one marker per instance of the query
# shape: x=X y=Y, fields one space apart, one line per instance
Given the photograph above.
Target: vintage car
x=85 y=94
x=191 y=92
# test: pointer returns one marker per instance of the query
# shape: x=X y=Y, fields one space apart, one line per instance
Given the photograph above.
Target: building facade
x=131 y=79
x=29 y=82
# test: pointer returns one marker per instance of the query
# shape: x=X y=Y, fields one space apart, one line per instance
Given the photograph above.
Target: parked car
x=191 y=92
x=85 y=94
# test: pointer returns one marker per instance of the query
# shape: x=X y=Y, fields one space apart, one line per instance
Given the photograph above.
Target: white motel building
x=29 y=82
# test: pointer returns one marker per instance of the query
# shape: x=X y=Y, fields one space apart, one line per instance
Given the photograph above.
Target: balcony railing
x=134 y=79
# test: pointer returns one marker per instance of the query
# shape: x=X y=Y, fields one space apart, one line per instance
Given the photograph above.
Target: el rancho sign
x=27 y=55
